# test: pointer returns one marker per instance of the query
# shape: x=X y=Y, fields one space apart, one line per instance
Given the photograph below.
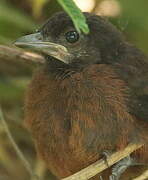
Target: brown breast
x=73 y=120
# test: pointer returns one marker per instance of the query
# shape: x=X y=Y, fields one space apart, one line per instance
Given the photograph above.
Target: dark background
x=20 y=17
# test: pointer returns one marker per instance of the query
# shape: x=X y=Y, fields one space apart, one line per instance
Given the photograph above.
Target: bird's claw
x=113 y=177
x=106 y=155
x=120 y=167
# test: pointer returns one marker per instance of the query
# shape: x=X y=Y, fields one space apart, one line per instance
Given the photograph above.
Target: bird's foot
x=106 y=154
x=120 y=167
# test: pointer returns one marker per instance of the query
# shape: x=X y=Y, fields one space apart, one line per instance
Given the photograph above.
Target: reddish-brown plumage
x=66 y=116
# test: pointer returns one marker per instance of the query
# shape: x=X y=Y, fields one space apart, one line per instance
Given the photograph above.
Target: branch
x=143 y=176
x=15 y=54
x=16 y=148
x=101 y=165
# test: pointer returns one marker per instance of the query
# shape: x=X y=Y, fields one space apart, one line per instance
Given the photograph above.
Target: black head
x=61 y=44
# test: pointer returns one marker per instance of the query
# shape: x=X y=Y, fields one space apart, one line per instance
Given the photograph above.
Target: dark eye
x=72 y=36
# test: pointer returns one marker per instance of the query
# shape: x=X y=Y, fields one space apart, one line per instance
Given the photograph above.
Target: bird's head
x=61 y=44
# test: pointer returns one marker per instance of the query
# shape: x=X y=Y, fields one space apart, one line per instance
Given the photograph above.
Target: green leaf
x=76 y=15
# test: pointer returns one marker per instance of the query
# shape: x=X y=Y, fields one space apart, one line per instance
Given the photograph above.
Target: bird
x=88 y=98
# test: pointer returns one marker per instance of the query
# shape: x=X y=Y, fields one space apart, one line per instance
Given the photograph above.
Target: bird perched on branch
x=90 y=96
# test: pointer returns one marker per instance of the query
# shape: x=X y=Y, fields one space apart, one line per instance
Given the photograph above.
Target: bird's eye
x=72 y=36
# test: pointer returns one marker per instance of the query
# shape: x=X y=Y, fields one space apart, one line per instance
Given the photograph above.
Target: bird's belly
x=75 y=120
x=62 y=158
x=70 y=141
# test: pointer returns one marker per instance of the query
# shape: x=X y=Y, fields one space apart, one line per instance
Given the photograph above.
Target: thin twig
x=16 y=148
x=101 y=165
x=143 y=176
x=15 y=54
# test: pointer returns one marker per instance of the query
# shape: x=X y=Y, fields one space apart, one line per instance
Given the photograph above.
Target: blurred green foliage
x=13 y=22
x=76 y=15
x=135 y=14
x=18 y=18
